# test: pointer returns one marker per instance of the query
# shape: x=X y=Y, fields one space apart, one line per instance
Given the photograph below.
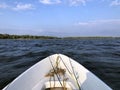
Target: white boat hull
x=34 y=78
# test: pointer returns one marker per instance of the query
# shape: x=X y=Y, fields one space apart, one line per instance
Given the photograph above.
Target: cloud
x=109 y=27
x=115 y=3
x=23 y=7
x=82 y=23
x=3 y=5
x=77 y=2
x=99 y=22
x=49 y=2
x=71 y=2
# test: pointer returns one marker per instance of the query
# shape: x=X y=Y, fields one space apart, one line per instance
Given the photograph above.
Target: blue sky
x=60 y=17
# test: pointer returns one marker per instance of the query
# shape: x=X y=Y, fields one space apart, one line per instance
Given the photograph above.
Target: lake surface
x=100 y=56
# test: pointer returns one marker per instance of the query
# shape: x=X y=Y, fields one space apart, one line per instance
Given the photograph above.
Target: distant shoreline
x=8 y=36
x=27 y=37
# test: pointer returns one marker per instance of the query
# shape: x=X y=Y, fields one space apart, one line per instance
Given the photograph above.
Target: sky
x=60 y=17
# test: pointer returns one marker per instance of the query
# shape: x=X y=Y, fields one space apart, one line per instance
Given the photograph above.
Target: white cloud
x=70 y=2
x=109 y=27
x=115 y=3
x=77 y=2
x=82 y=23
x=50 y=1
x=99 y=22
x=3 y=5
x=23 y=7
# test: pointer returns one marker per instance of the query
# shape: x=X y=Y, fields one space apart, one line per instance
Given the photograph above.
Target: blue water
x=100 y=56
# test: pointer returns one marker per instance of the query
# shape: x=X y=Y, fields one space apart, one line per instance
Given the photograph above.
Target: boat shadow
x=92 y=82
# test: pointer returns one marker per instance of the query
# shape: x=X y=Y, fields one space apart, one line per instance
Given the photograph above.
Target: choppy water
x=101 y=56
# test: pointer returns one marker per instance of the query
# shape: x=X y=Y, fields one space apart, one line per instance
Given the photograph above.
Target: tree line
x=7 y=36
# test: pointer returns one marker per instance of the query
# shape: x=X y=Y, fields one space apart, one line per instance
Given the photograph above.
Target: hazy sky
x=60 y=17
